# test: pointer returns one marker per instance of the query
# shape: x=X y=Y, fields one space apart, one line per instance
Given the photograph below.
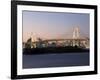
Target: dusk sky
x=48 y=25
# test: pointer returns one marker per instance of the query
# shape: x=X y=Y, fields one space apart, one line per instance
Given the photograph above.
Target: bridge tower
x=76 y=32
x=33 y=39
x=76 y=36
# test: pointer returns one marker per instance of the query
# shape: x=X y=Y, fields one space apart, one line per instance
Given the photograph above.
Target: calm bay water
x=56 y=60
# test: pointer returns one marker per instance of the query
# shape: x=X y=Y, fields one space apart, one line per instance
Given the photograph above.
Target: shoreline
x=57 y=50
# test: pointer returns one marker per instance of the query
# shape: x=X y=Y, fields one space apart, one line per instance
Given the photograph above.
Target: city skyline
x=53 y=24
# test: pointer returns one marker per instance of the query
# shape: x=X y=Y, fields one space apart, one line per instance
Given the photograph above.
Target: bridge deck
x=63 y=40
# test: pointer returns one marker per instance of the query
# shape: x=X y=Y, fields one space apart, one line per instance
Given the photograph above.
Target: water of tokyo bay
x=56 y=60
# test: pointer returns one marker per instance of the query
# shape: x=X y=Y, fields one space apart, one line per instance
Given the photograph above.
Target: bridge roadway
x=69 y=39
